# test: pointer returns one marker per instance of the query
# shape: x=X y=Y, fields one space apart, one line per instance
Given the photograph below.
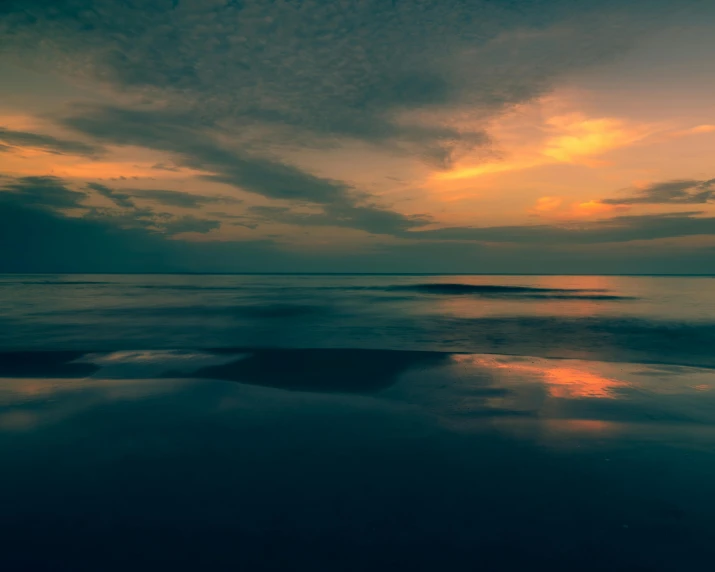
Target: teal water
x=663 y=319
x=357 y=422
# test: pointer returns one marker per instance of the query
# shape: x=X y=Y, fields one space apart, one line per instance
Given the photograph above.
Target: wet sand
x=371 y=460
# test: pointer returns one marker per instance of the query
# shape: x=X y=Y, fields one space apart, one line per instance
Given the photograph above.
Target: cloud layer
x=238 y=92
x=10 y=139
x=678 y=192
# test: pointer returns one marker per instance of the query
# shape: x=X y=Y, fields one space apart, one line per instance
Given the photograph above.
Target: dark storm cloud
x=617 y=229
x=40 y=192
x=11 y=139
x=52 y=194
x=39 y=240
x=679 y=191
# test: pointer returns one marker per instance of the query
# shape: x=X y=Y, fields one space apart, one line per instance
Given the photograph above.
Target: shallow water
x=662 y=319
x=353 y=423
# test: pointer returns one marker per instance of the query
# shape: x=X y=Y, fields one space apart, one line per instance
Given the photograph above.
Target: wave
x=511 y=291
x=603 y=338
x=451 y=289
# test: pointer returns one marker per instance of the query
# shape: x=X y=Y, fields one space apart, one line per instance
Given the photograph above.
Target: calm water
x=357 y=422
x=669 y=320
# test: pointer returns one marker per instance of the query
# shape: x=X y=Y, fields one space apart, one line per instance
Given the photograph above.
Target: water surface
x=357 y=422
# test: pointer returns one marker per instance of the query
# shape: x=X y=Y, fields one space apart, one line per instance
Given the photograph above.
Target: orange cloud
x=487 y=169
x=20 y=122
x=570 y=138
x=547 y=204
x=591 y=208
x=554 y=207
x=28 y=160
x=697 y=130
x=109 y=170
x=579 y=137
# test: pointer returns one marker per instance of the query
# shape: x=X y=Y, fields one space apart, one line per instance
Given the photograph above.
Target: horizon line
x=190 y=273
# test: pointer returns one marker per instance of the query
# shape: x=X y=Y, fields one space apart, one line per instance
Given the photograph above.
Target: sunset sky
x=554 y=136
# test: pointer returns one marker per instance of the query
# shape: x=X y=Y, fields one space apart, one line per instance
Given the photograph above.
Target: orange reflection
x=586 y=425
x=31 y=402
x=568 y=383
x=561 y=382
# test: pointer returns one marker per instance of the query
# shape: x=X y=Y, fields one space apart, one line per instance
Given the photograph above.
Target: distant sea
x=632 y=319
x=357 y=422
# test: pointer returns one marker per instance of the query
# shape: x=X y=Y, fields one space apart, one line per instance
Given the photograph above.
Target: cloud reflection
x=561 y=382
x=26 y=404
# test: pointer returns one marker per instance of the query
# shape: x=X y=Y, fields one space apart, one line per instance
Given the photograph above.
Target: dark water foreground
x=319 y=459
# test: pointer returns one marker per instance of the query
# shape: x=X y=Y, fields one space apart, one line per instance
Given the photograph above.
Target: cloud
x=196 y=145
x=163 y=167
x=118 y=198
x=183 y=200
x=313 y=73
x=679 y=191
x=188 y=223
x=616 y=229
x=125 y=197
x=149 y=220
x=230 y=89
x=41 y=240
x=538 y=136
x=12 y=139
x=41 y=192
x=53 y=195
x=368 y=218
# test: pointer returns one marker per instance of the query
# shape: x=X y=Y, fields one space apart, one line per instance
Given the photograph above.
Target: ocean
x=355 y=422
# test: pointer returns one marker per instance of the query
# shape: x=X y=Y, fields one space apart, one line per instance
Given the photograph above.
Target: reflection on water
x=28 y=403
x=668 y=320
x=462 y=462
x=470 y=388
x=564 y=382
x=465 y=391
x=270 y=423
x=592 y=296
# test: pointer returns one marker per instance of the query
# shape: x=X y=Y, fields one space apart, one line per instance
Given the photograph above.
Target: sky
x=534 y=136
